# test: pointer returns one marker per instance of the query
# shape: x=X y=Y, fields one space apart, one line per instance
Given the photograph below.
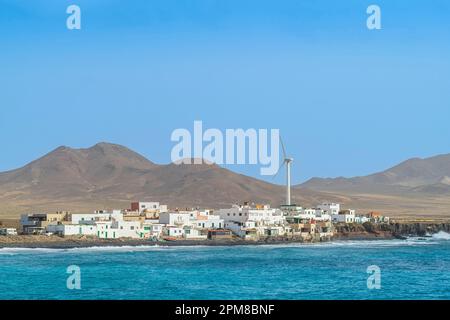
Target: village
x=155 y=222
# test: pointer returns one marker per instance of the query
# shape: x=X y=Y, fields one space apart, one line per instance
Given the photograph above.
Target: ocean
x=416 y=268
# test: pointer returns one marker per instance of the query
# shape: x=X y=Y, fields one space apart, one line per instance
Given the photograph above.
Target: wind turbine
x=286 y=161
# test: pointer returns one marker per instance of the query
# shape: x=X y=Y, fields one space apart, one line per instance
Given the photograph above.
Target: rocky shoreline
x=366 y=231
x=56 y=242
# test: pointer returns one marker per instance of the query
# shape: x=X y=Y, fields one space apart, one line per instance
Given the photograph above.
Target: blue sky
x=348 y=101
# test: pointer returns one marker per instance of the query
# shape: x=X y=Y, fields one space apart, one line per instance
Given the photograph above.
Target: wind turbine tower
x=287 y=161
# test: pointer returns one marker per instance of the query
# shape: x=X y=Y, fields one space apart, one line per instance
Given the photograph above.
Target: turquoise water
x=410 y=269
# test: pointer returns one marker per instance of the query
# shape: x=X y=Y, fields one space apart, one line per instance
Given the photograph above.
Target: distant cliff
x=388 y=231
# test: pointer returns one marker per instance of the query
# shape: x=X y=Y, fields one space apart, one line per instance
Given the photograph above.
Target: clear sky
x=348 y=101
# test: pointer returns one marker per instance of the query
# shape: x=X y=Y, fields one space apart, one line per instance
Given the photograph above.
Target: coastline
x=70 y=243
x=65 y=243
x=343 y=232
x=181 y=243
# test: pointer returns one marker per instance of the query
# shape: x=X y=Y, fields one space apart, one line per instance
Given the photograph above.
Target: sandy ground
x=397 y=206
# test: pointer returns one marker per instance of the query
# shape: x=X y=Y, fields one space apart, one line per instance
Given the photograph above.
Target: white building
x=346 y=216
x=91 y=218
x=321 y=215
x=206 y=220
x=246 y=230
x=245 y=220
x=142 y=207
x=104 y=225
x=173 y=231
x=152 y=229
x=127 y=229
x=310 y=214
x=262 y=215
x=330 y=208
x=193 y=233
x=177 y=218
x=119 y=229
x=291 y=209
x=8 y=232
x=199 y=219
x=361 y=219
x=73 y=229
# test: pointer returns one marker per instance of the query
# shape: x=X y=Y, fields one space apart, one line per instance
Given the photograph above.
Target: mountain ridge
x=111 y=176
x=110 y=173
x=414 y=174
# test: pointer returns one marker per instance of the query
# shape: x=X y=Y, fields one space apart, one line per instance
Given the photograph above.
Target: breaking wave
x=441 y=235
x=411 y=241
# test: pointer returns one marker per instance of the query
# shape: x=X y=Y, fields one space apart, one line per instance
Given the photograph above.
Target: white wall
x=347 y=218
x=211 y=222
x=150 y=206
x=127 y=229
x=8 y=231
x=174 y=232
x=175 y=218
x=153 y=229
x=330 y=208
x=85 y=218
x=71 y=229
x=265 y=216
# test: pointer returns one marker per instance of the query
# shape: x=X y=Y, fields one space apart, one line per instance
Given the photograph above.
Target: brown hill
x=414 y=188
x=108 y=175
x=430 y=176
x=75 y=172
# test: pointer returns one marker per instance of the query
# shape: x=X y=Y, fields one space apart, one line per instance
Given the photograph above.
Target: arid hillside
x=111 y=176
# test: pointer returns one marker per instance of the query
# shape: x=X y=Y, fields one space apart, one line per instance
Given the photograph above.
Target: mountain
x=110 y=175
x=414 y=188
x=73 y=172
x=430 y=175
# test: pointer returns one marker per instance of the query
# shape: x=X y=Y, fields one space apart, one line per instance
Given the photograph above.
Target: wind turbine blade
x=282 y=148
x=276 y=174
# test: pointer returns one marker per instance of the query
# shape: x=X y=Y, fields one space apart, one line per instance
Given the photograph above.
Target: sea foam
x=411 y=241
x=441 y=235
